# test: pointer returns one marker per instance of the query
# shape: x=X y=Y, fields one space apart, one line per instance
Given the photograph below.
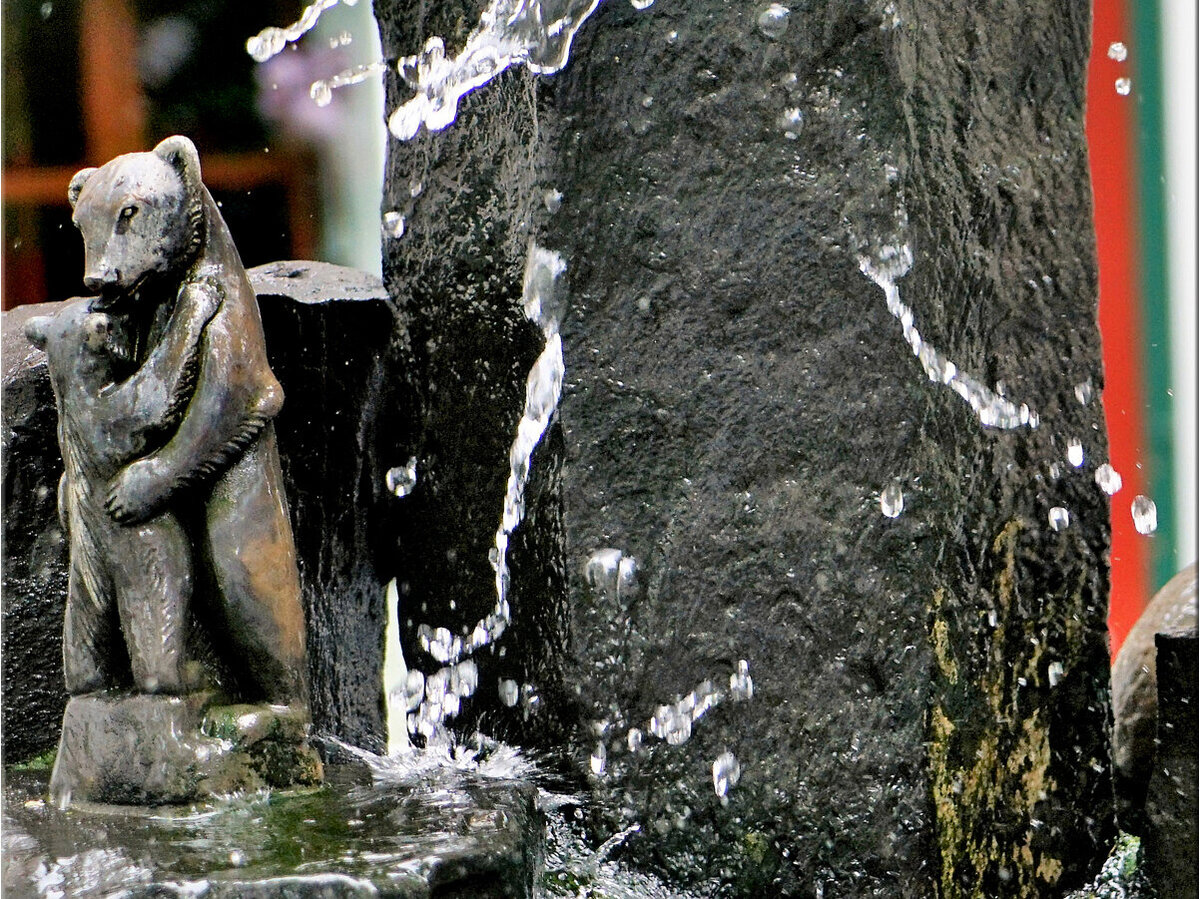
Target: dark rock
x=1172 y=856
x=35 y=552
x=333 y=342
x=1135 y=693
x=930 y=692
x=157 y=750
x=444 y=835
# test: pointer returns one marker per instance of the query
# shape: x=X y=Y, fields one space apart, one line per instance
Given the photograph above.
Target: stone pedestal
x=155 y=750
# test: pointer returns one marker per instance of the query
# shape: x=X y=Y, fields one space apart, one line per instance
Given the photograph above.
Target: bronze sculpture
x=172 y=494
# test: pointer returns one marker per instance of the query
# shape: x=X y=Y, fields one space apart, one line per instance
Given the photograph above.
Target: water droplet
x=341 y=40
x=1108 y=479
x=1083 y=392
x=1054 y=673
x=46 y=10
x=634 y=739
x=401 y=481
x=1060 y=518
x=725 y=773
x=741 y=685
x=1075 y=452
x=992 y=618
x=1124 y=85
x=552 y=200
x=791 y=122
x=1055 y=471
x=672 y=37
x=1145 y=514
x=891 y=501
x=1117 y=51
x=641 y=4
x=773 y=21
x=393 y=224
x=647 y=102
x=509 y=692
x=599 y=759
x=237 y=858
x=414 y=188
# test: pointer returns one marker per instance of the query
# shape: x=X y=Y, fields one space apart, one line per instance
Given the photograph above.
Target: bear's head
x=82 y=347
x=141 y=216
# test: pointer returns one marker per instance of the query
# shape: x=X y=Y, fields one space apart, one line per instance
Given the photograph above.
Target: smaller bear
x=139 y=576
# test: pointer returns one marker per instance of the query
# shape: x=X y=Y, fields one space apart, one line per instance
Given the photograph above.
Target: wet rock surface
x=449 y=835
x=1172 y=857
x=930 y=691
x=333 y=341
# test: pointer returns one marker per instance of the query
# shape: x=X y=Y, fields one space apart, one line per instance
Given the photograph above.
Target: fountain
x=718 y=437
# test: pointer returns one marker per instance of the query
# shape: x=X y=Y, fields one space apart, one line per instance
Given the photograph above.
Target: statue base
x=137 y=749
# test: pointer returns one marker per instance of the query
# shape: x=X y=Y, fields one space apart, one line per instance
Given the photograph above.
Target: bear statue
x=140 y=578
x=172 y=497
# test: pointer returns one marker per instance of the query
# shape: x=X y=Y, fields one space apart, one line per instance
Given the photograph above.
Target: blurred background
x=86 y=80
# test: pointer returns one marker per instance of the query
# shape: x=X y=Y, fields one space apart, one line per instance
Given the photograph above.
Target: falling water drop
x=741 y=685
x=401 y=480
x=1117 y=51
x=1060 y=518
x=237 y=858
x=891 y=501
x=773 y=21
x=599 y=759
x=414 y=188
x=393 y=224
x=725 y=773
x=1055 y=471
x=509 y=692
x=552 y=200
x=1108 y=479
x=641 y=4
x=1145 y=514
x=1083 y=392
x=1124 y=85
x=1075 y=452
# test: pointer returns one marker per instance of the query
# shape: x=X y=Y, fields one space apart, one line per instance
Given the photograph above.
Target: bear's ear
x=180 y=153
x=35 y=330
x=76 y=185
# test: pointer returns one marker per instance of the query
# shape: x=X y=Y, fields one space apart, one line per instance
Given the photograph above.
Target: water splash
x=510 y=33
x=672 y=723
x=271 y=40
x=395 y=676
x=992 y=409
x=322 y=89
x=543 y=305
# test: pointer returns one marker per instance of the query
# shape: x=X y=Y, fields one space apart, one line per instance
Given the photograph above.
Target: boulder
x=779 y=227
x=1135 y=693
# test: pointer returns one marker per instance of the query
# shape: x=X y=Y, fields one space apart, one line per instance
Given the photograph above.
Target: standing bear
x=160 y=257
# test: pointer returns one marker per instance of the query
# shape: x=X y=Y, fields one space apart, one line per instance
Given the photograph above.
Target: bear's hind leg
x=154 y=591
x=88 y=633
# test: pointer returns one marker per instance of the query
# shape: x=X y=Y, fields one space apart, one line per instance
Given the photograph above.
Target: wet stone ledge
x=451 y=835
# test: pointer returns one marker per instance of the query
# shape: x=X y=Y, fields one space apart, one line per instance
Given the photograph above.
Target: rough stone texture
x=1135 y=693
x=449 y=836
x=333 y=342
x=1172 y=856
x=35 y=571
x=931 y=692
x=158 y=750
x=332 y=339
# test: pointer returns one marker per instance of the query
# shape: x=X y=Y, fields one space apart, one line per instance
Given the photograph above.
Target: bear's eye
x=125 y=218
